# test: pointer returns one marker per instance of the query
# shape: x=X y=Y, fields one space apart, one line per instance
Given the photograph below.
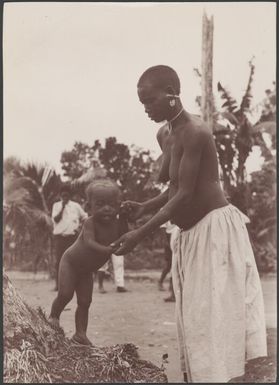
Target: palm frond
x=12 y=165
x=41 y=218
x=230 y=117
x=18 y=214
x=197 y=72
x=246 y=100
x=230 y=102
x=33 y=171
x=32 y=188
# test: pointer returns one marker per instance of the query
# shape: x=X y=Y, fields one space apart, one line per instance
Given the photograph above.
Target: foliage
x=129 y=167
x=258 y=197
x=262 y=190
x=234 y=141
x=29 y=191
x=269 y=105
x=149 y=253
x=262 y=213
x=235 y=136
x=78 y=160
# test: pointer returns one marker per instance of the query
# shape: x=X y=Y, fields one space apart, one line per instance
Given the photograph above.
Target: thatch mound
x=34 y=352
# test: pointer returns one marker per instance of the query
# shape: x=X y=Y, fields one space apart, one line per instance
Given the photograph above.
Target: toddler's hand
x=113 y=247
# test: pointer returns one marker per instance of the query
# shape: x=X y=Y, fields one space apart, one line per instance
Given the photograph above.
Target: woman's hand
x=133 y=210
x=126 y=243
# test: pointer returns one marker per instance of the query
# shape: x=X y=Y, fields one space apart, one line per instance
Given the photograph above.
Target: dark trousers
x=61 y=244
x=167 y=268
x=168 y=258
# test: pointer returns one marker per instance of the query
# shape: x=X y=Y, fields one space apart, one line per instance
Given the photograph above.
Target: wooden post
x=207 y=103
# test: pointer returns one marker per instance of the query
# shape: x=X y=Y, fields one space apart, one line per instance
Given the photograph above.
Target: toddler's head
x=104 y=199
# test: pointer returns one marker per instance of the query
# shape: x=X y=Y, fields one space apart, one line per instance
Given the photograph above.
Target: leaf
x=230 y=102
x=268 y=126
x=230 y=117
x=246 y=100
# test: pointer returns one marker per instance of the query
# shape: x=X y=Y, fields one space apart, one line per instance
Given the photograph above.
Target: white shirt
x=71 y=217
x=169 y=227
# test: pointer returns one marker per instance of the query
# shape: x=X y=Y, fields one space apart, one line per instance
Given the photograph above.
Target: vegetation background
x=31 y=189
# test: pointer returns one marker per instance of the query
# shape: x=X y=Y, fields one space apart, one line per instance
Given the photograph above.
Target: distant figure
x=89 y=252
x=118 y=274
x=67 y=217
x=170 y=233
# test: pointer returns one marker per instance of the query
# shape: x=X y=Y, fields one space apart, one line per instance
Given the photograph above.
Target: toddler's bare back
x=82 y=257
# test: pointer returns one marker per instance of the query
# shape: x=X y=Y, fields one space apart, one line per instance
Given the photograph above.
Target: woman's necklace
x=173 y=119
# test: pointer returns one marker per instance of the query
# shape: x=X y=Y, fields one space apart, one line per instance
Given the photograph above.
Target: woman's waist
x=186 y=218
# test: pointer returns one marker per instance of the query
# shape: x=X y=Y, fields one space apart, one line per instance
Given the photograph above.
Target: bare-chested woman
x=219 y=305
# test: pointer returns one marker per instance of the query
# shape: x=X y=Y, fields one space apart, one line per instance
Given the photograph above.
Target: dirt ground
x=140 y=316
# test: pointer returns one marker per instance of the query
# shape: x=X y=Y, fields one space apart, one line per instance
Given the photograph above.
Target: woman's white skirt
x=219 y=304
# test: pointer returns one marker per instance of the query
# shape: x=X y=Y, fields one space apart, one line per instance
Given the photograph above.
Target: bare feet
x=170 y=299
x=81 y=340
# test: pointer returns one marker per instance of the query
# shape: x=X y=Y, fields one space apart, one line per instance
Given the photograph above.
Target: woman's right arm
x=157 y=202
x=135 y=210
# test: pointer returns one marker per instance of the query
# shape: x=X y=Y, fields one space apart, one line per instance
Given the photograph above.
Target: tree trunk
x=35 y=352
x=207 y=103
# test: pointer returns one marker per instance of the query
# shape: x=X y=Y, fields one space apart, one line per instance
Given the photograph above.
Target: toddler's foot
x=121 y=289
x=102 y=290
x=81 y=340
x=54 y=322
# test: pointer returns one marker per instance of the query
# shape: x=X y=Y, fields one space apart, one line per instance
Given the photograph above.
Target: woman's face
x=155 y=101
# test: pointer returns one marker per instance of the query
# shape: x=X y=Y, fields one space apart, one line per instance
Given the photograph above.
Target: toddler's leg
x=84 y=292
x=66 y=286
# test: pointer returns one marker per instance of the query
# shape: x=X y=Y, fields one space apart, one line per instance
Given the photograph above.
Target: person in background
x=118 y=274
x=170 y=233
x=67 y=217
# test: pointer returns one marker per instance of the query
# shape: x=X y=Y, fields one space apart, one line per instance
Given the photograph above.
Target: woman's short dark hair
x=162 y=76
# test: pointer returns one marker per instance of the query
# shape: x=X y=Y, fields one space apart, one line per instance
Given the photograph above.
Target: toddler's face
x=105 y=204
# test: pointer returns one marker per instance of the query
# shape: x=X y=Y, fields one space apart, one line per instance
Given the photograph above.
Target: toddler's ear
x=87 y=206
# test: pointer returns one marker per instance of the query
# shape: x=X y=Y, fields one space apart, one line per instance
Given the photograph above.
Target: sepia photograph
x=139 y=192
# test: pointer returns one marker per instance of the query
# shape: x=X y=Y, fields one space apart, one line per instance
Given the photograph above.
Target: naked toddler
x=89 y=252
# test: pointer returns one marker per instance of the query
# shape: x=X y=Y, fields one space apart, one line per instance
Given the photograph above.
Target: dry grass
x=35 y=352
